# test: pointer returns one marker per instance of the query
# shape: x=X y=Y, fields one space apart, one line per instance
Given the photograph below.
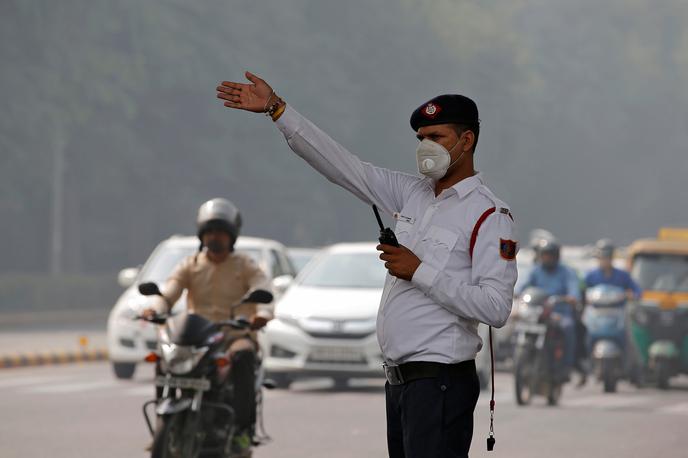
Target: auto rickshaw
x=658 y=321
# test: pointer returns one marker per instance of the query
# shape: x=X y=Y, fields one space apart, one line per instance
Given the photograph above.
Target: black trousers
x=244 y=377
x=432 y=417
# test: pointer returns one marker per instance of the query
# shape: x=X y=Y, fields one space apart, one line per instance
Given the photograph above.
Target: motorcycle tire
x=523 y=385
x=663 y=374
x=608 y=377
x=554 y=394
x=124 y=370
x=172 y=440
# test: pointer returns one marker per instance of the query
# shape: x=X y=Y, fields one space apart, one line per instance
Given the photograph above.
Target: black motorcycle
x=539 y=366
x=194 y=410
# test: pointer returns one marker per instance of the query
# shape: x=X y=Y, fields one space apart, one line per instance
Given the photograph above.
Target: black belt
x=415 y=370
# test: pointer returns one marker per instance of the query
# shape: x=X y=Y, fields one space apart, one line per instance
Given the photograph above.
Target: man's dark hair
x=461 y=128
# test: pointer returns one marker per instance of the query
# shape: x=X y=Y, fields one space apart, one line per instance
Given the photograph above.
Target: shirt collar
x=465 y=186
x=462 y=188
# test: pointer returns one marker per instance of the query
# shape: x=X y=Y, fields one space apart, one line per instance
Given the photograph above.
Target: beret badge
x=431 y=110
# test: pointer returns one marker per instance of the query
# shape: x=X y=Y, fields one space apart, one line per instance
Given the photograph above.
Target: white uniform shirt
x=435 y=316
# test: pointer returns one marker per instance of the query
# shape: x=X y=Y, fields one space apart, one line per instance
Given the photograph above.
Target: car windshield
x=300 y=258
x=164 y=259
x=346 y=270
x=661 y=272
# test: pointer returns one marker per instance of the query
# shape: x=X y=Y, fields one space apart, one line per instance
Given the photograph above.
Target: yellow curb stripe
x=61 y=357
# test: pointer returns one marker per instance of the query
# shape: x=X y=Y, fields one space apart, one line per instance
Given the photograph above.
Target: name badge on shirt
x=407 y=219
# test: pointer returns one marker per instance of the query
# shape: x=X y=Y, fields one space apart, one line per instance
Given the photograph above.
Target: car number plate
x=336 y=354
x=531 y=328
x=183 y=383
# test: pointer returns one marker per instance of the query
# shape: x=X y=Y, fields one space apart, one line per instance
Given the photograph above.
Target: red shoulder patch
x=507 y=249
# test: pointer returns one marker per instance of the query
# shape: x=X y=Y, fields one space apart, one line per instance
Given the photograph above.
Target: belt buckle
x=393 y=375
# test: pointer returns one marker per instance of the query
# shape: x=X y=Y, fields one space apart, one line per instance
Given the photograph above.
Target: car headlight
x=180 y=359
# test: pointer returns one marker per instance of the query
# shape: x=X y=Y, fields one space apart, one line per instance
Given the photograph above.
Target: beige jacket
x=212 y=289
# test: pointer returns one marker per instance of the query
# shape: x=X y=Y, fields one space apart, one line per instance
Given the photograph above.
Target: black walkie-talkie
x=387 y=236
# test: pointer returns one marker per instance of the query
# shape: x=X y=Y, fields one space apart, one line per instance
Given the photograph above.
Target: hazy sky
x=584 y=113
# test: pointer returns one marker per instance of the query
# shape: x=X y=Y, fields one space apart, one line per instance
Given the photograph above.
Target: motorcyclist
x=557 y=280
x=216 y=278
x=607 y=274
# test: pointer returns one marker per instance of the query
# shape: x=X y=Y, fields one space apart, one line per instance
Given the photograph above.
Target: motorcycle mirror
x=258 y=296
x=149 y=289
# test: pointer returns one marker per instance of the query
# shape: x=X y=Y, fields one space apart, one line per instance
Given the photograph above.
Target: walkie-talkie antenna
x=379 y=220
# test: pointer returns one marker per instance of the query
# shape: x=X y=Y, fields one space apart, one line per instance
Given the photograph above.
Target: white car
x=300 y=257
x=129 y=340
x=325 y=325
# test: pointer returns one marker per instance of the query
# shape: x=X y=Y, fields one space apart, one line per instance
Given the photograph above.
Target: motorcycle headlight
x=180 y=359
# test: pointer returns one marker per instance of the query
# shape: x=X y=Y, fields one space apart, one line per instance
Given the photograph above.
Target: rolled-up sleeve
x=488 y=298
x=174 y=287
x=385 y=188
x=255 y=278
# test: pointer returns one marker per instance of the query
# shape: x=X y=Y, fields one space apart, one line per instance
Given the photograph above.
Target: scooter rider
x=215 y=278
x=607 y=274
x=557 y=280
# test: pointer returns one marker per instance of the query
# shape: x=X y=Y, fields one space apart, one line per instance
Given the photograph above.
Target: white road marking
x=35 y=380
x=677 y=409
x=69 y=387
x=143 y=390
x=609 y=401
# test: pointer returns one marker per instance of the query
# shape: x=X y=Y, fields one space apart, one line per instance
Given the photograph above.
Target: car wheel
x=124 y=370
x=281 y=381
x=341 y=383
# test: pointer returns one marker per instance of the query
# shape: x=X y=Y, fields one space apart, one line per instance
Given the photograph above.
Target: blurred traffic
x=324 y=322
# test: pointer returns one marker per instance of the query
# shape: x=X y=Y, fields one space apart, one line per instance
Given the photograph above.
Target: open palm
x=250 y=97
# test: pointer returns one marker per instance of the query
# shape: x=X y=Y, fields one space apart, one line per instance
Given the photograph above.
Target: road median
x=29 y=359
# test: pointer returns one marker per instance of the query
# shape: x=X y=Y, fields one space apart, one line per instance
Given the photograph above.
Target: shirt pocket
x=404 y=232
x=438 y=244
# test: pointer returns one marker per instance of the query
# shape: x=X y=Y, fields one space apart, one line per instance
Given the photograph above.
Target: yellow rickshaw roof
x=657 y=246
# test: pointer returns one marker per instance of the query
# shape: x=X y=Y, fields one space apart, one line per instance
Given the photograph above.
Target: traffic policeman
x=455 y=266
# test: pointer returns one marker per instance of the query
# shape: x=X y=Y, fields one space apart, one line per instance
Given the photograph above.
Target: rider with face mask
x=455 y=266
x=216 y=278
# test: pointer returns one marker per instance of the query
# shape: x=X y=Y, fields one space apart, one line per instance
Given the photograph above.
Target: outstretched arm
x=373 y=185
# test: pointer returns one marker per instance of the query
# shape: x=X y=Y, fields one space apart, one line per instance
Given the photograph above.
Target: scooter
x=605 y=318
x=539 y=366
x=194 y=408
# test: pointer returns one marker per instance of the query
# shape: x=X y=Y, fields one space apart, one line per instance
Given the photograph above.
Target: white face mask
x=433 y=159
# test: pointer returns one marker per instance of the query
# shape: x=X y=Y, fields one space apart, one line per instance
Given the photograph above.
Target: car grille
x=339 y=335
x=151 y=344
x=336 y=355
x=128 y=343
x=361 y=361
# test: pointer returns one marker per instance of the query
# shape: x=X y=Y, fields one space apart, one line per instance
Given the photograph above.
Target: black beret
x=446 y=109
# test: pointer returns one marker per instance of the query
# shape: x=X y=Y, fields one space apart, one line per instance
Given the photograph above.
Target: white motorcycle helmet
x=219 y=214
